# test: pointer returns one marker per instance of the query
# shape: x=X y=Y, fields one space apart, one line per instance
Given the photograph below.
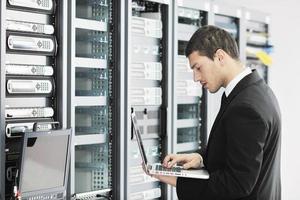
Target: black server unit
x=33 y=71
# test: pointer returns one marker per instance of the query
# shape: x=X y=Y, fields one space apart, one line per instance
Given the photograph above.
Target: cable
x=16 y=193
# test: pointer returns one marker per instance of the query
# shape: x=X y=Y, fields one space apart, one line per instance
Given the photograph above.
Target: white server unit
x=258 y=45
x=148 y=79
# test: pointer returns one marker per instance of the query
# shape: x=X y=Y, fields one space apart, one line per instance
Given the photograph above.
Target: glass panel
x=188 y=111
x=92 y=9
x=181 y=47
x=257 y=27
x=152 y=150
x=91 y=120
x=189 y=16
x=91 y=44
x=187 y=135
x=92 y=168
x=230 y=24
x=91 y=82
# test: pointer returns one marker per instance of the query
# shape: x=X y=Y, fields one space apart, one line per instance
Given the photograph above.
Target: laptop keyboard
x=172 y=169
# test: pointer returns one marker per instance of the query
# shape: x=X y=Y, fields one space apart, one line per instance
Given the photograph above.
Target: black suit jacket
x=243 y=151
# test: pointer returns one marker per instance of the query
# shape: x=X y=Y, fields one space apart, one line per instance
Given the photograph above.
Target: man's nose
x=196 y=77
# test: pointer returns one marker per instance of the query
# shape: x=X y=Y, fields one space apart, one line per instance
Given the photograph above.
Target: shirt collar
x=231 y=85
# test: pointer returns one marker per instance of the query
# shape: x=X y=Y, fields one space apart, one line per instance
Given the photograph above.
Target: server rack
x=189 y=98
x=189 y=106
x=32 y=75
x=227 y=17
x=148 y=87
x=257 y=41
x=93 y=104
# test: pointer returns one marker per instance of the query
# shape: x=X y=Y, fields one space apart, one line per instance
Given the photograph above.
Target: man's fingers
x=167 y=159
x=172 y=163
x=173 y=159
x=187 y=165
x=188 y=160
x=194 y=163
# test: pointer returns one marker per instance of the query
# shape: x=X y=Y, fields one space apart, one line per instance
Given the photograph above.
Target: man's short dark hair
x=208 y=39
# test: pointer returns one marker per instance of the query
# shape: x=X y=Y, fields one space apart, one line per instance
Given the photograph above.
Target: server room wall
x=283 y=76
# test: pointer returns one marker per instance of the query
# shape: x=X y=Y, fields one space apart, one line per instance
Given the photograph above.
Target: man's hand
x=192 y=160
x=171 y=180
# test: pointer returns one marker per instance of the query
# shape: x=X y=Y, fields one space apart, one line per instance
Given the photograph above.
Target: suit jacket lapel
x=245 y=82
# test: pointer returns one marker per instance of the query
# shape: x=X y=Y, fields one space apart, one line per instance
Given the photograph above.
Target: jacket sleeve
x=202 y=152
x=246 y=133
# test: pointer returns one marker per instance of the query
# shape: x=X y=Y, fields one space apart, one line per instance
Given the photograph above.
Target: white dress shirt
x=236 y=80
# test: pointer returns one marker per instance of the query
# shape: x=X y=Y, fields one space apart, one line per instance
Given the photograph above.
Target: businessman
x=243 y=150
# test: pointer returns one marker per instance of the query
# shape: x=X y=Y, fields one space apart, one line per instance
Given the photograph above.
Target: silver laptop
x=158 y=168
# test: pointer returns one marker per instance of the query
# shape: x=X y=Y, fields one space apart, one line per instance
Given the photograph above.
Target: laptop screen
x=44 y=161
x=137 y=132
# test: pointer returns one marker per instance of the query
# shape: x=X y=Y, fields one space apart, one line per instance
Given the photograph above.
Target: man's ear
x=220 y=55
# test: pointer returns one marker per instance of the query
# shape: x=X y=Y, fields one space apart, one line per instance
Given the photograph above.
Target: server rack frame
x=125 y=97
x=2 y=97
x=121 y=158
x=118 y=102
x=62 y=58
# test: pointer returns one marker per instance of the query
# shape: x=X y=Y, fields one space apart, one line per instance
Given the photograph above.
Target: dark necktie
x=223 y=101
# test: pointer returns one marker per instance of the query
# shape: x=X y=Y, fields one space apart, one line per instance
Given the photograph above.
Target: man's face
x=206 y=71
